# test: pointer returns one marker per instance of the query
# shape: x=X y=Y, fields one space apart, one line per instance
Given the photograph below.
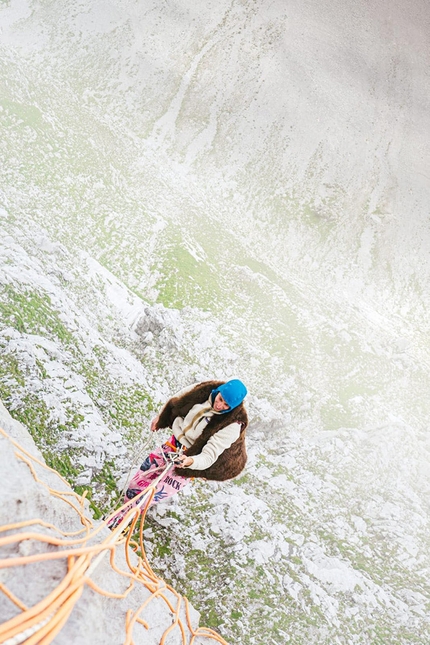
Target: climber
x=208 y=421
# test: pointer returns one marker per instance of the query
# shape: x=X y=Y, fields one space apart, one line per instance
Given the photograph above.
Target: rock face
x=264 y=164
x=95 y=619
x=163 y=324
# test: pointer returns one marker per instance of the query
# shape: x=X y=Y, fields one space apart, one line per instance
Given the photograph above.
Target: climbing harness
x=148 y=483
x=172 y=457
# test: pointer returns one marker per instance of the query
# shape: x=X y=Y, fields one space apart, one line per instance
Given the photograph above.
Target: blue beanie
x=233 y=392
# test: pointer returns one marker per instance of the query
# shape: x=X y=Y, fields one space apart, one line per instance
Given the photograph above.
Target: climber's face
x=219 y=405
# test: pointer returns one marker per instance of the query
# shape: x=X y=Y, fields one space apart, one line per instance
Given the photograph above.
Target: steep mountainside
x=232 y=189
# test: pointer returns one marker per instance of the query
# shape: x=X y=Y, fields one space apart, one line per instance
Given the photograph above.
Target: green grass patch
x=29 y=312
x=183 y=279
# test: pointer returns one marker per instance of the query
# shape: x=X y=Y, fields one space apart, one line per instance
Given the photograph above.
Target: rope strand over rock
x=40 y=623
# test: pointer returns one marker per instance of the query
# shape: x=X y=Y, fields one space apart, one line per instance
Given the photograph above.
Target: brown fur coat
x=232 y=461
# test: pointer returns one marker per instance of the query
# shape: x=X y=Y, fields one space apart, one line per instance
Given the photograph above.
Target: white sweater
x=194 y=424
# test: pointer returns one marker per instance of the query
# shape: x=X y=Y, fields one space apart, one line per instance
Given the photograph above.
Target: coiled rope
x=39 y=624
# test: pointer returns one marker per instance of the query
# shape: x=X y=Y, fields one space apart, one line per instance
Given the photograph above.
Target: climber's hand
x=154 y=423
x=184 y=461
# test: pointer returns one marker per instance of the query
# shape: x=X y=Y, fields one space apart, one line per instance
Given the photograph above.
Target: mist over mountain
x=218 y=190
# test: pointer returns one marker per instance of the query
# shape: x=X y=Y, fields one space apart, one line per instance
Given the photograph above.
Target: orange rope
x=108 y=594
x=20 y=525
x=42 y=622
x=7 y=592
x=61 y=495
